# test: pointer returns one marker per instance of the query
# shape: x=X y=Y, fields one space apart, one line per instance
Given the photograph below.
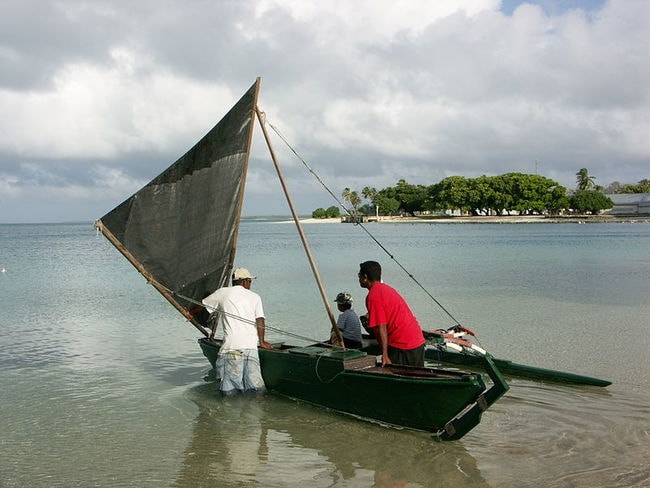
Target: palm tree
x=369 y=193
x=585 y=182
x=353 y=198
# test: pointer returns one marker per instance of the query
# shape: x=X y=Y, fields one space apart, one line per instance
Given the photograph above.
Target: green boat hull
x=446 y=403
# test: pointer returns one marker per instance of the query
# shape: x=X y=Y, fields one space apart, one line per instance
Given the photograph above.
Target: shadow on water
x=272 y=441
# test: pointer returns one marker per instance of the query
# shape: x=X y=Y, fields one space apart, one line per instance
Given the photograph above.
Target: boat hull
x=447 y=403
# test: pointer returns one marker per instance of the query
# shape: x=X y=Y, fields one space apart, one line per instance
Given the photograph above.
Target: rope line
x=252 y=322
x=360 y=224
x=326 y=382
x=290 y=334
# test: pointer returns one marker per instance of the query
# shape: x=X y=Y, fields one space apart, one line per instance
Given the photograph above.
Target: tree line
x=507 y=194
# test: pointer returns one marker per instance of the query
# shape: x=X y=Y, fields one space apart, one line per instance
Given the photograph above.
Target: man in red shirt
x=389 y=317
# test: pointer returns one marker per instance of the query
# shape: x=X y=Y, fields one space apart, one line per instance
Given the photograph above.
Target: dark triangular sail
x=180 y=230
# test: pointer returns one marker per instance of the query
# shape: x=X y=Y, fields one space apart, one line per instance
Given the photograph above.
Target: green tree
x=642 y=186
x=411 y=197
x=353 y=198
x=369 y=193
x=321 y=213
x=501 y=197
x=481 y=196
x=584 y=180
x=615 y=187
x=332 y=212
x=533 y=193
x=557 y=199
x=449 y=194
x=485 y=195
x=367 y=209
x=590 y=201
x=489 y=195
x=387 y=204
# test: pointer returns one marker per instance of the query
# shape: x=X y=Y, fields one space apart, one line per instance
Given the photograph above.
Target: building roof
x=642 y=199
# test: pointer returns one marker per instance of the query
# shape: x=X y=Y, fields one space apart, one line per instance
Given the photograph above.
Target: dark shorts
x=352 y=344
x=407 y=357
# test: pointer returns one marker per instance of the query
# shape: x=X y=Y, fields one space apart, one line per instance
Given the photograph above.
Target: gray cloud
x=98 y=97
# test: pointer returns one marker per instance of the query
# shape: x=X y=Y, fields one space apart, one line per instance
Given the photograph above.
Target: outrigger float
x=455 y=346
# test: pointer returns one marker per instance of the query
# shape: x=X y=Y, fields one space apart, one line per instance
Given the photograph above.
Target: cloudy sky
x=98 y=97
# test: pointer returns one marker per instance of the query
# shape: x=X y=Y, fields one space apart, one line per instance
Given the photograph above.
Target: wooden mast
x=303 y=238
x=231 y=259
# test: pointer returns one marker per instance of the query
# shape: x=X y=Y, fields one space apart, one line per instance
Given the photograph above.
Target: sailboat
x=163 y=231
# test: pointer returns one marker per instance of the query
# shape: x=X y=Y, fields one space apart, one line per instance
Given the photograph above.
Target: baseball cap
x=343 y=297
x=242 y=274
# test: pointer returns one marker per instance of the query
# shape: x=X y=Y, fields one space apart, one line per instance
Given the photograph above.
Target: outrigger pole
x=303 y=238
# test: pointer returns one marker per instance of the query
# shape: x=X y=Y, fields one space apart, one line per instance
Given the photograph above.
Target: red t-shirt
x=386 y=306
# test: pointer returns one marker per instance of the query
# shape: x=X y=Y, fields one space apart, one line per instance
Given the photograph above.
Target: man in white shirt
x=240 y=313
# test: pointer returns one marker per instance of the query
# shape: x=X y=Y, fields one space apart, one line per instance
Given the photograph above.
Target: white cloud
x=368 y=91
x=369 y=21
x=105 y=111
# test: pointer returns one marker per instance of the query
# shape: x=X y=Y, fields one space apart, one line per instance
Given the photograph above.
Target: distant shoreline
x=427 y=219
x=493 y=219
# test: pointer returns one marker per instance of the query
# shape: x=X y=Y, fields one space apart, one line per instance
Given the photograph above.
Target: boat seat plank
x=308 y=350
x=359 y=363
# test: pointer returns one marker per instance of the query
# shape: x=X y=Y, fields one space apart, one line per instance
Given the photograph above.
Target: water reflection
x=270 y=441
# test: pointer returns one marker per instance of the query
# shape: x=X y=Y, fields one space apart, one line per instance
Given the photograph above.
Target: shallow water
x=102 y=382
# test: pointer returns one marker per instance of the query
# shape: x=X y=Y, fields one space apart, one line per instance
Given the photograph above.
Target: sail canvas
x=182 y=226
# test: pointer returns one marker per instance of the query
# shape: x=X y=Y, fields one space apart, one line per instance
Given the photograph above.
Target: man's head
x=243 y=277
x=369 y=273
x=344 y=301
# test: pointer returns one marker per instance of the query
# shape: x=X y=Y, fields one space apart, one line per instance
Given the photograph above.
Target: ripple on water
x=586 y=434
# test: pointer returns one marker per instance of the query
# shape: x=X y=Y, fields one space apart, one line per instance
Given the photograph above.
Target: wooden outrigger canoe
x=446 y=403
x=180 y=232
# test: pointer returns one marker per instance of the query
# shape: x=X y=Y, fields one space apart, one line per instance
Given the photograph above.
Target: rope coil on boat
x=318 y=375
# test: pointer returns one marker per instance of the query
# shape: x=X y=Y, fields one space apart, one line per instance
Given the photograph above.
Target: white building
x=630 y=204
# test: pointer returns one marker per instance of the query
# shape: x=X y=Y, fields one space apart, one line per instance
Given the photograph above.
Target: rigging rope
x=266 y=326
x=360 y=224
x=252 y=322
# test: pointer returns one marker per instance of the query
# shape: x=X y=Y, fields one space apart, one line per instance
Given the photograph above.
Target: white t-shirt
x=237 y=302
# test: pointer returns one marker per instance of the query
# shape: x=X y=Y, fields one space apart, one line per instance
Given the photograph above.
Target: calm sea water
x=102 y=382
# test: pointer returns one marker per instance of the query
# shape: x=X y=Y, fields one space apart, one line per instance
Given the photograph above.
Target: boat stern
x=470 y=416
